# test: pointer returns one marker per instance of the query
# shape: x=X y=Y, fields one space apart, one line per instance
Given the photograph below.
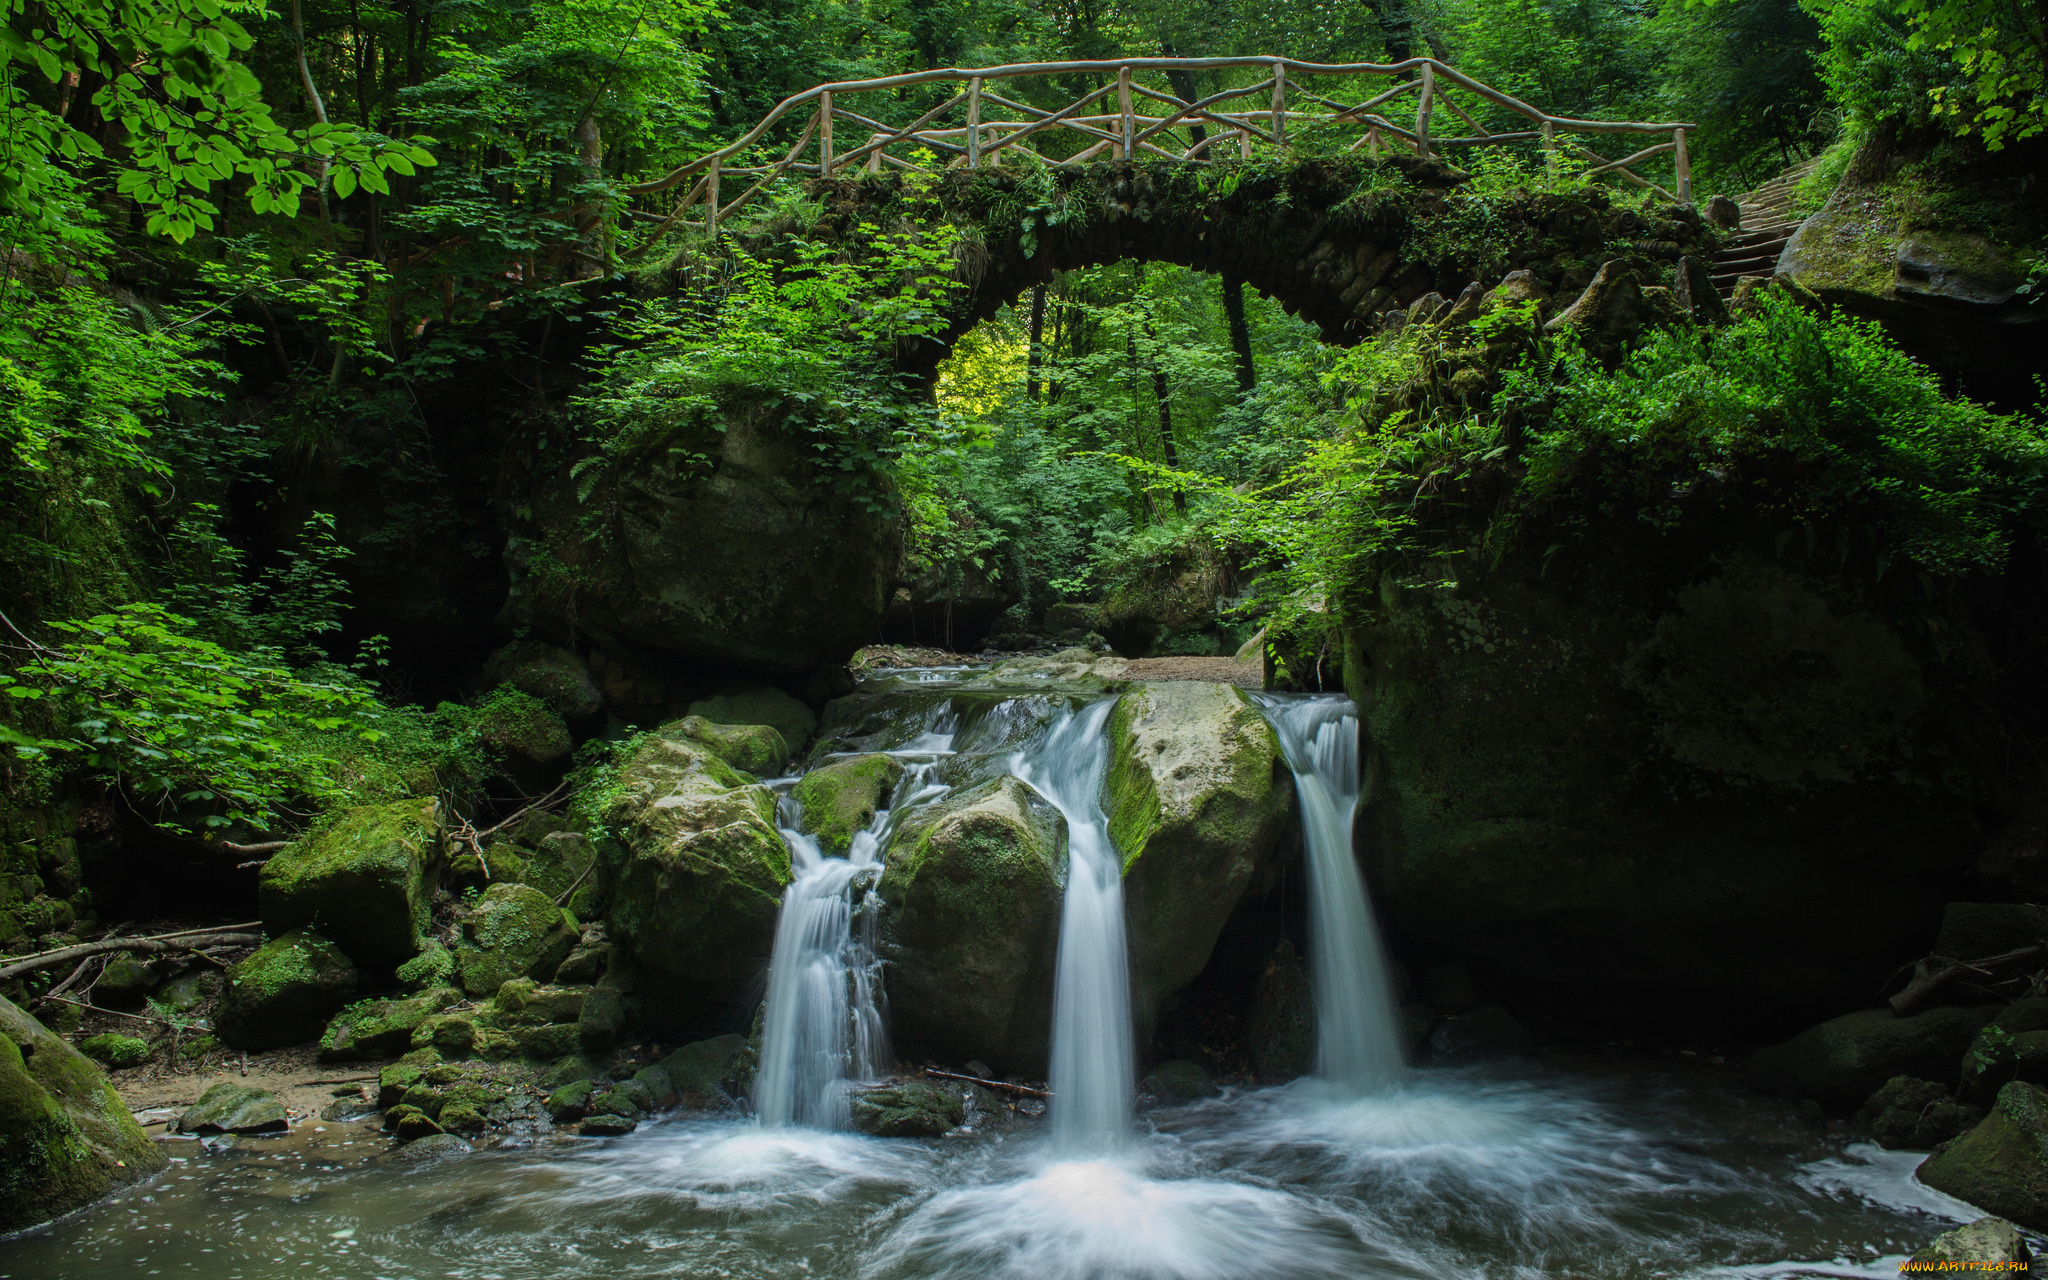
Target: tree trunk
x=1240 y=334
x=1034 y=357
x=1169 y=452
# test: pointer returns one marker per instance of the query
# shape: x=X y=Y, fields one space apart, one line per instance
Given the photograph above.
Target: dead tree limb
x=1932 y=972
x=191 y=942
x=1023 y=1089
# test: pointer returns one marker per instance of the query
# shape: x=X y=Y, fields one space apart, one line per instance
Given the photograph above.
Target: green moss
x=432 y=967
x=2001 y=1166
x=513 y=932
x=115 y=1051
x=789 y=717
x=840 y=799
x=757 y=749
x=285 y=992
x=381 y=1028
x=700 y=1069
x=362 y=876
x=518 y=725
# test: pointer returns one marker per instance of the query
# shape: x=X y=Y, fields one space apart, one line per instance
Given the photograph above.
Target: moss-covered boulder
x=1980 y=930
x=1916 y=1115
x=531 y=743
x=1988 y=1244
x=2001 y=1166
x=699 y=1070
x=915 y=1109
x=761 y=705
x=66 y=1139
x=1638 y=761
x=970 y=925
x=114 y=1050
x=234 y=1108
x=1844 y=1060
x=381 y=1028
x=564 y=862
x=1198 y=796
x=513 y=931
x=758 y=749
x=695 y=878
x=433 y=967
x=362 y=876
x=557 y=677
x=128 y=979
x=285 y=992
x=840 y=799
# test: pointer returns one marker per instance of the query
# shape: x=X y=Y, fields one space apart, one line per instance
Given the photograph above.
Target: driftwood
x=1023 y=1090
x=1931 y=973
x=190 y=940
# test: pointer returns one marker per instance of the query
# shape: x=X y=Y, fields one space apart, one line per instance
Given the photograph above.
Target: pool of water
x=1484 y=1172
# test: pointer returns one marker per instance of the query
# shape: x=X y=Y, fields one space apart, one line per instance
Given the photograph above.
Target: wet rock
x=659 y=1089
x=1841 y=1062
x=571 y=1102
x=394 y=1081
x=700 y=883
x=568 y=1069
x=381 y=1028
x=604 y=1013
x=1988 y=1244
x=761 y=705
x=233 y=1108
x=115 y=1051
x=607 y=1126
x=1197 y=797
x=346 y=1110
x=1282 y=1033
x=557 y=677
x=970 y=924
x=513 y=932
x=1418 y=1023
x=429 y=1146
x=914 y=1109
x=840 y=799
x=285 y=992
x=190 y=991
x=1979 y=930
x=1486 y=1032
x=701 y=1068
x=362 y=875
x=66 y=1139
x=1179 y=1081
x=758 y=749
x=461 y=1118
x=2002 y=1164
x=1914 y=1114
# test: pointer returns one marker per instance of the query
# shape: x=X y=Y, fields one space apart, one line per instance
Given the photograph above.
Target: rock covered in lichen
x=235 y=1108
x=840 y=799
x=971 y=924
x=362 y=875
x=914 y=1109
x=66 y=1139
x=555 y=676
x=285 y=992
x=512 y=931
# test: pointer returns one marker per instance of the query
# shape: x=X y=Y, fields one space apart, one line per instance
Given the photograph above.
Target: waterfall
x=1092 y=1055
x=1358 y=1037
x=825 y=1024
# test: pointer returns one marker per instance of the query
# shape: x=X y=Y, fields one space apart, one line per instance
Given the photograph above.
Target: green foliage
x=2001 y=49
x=137 y=698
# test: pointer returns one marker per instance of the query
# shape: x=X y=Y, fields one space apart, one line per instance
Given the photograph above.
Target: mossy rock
x=285 y=992
x=602 y=1017
x=560 y=861
x=607 y=1126
x=571 y=1102
x=555 y=676
x=917 y=1109
x=1198 y=796
x=1998 y=1057
x=127 y=980
x=190 y=991
x=762 y=705
x=841 y=798
x=527 y=736
x=1841 y=1062
x=659 y=1085
x=522 y=1002
x=568 y=1069
x=66 y=1138
x=235 y=1108
x=700 y=1069
x=1988 y=1244
x=434 y=966
x=115 y=1051
x=2001 y=1165
x=757 y=749
x=381 y=1028
x=500 y=863
x=1179 y=1081
x=970 y=924
x=513 y=931
x=361 y=879
x=699 y=879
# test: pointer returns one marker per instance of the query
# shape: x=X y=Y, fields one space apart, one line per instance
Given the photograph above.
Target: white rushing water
x=1093 y=1065
x=825 y=1023
x=1358 y=1035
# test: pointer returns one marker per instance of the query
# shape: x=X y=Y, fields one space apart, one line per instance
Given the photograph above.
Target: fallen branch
x=587 y=868
x=1932 y=972
x=193 y=941
x=115 y=1013
x=268 y=846
x=1023 y=1089
x=342 y=1080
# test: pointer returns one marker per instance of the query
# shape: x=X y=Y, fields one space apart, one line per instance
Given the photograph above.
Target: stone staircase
x=1768 y=221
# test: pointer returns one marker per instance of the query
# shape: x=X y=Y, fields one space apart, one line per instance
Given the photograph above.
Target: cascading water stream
x=1358 y=1040
x=824 y=1024
x=1092 y=1053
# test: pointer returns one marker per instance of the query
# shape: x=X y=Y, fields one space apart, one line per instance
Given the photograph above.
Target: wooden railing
x=1123 y=118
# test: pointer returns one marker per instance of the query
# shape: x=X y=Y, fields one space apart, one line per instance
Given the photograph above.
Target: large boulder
x=1844 y=1060
x=736 y=551
x=970 y=925
x=2001 y=1166
x=1988 y=1244
x=1916 y=1115
x=2013 y=1047
x=381 y=1028
x=840 y=799
x=362 y=876
x=234 y=1108
x=696 y=870
x=1198 y=796
x=556 y=676
x=913 y=1109
x=1980 y=930
x=66 y=1139
x=758 y=749
x=285 y=992
x=761 y=704
x=513 y=931
x=1639 y=761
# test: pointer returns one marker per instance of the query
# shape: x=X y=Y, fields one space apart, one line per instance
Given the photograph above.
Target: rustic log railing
x=1124 y=119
